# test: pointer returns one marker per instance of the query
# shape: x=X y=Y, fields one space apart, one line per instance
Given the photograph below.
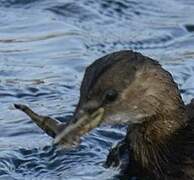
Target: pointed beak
x=83 y=122
x=70 y=136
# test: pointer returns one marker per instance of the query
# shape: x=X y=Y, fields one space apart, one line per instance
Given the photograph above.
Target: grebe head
x=128 y=87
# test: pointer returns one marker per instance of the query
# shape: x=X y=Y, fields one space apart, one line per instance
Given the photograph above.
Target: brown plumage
x=126 y=87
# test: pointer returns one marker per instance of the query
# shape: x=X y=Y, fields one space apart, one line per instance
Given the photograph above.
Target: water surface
x=45 y=47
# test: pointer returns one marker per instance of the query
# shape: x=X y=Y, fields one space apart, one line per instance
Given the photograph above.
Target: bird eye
x=110 y=95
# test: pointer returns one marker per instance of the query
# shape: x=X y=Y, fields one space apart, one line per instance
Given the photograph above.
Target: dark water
x=45 y=46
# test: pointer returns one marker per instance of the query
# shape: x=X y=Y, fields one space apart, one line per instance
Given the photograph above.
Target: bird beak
x=70 y=136
x=71 y=133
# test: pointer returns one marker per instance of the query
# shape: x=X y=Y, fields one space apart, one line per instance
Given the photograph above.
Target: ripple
x=155 y=36
x=75 y=11
x=45 y=47
x=9 y=3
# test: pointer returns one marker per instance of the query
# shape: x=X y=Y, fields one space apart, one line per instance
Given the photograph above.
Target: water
x=45 y=47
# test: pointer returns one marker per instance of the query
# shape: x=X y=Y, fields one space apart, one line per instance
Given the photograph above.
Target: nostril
x=88 y=109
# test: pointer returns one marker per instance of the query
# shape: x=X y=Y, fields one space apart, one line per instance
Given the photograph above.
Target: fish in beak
x=70 y=136
x=66 y=134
